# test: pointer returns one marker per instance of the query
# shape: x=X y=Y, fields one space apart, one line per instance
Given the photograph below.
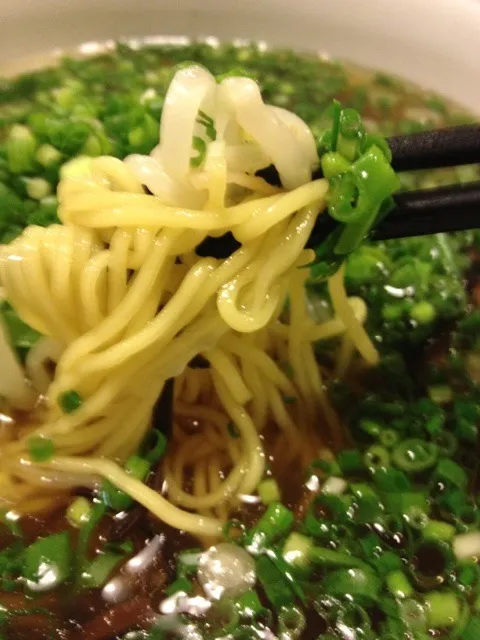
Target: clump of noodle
x=125 y=304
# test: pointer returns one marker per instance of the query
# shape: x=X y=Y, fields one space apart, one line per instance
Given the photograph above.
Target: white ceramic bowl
x=435 y=43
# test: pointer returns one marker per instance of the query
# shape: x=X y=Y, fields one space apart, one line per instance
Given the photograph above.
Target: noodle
x=125 y=303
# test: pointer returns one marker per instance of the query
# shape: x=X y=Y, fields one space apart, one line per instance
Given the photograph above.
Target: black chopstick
x=447 y=147
x=417 y=213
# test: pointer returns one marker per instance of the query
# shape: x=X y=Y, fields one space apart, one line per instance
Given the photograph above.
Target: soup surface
x=387 y=513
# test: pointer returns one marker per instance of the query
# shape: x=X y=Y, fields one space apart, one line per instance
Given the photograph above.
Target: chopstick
x=447 y=147
x=419 y=213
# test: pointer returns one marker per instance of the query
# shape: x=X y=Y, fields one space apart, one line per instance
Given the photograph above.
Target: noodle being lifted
x=125 y=303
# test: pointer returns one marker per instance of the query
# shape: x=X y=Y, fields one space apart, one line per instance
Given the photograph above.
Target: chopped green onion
x=439 y=530
x=48 y=155
x=371 y=545
x=423 y=312
x=69 y=401
x=414 y=455
x=48 y=561
x=339 y=509
x=291 y=622
x=11 y=566
x=21 y=146
x=286 y=569
x=387 y=562
x=40 y=448
x=275 y=523
x=180 y=585
x=274 y=583
x=451 y=473
x=350 y=461
x=249 y=605
x=233 y=430
x=388 y=438
x=333 y=164
x=234 y=531
x=200 y=146
x=137 y=467
x=390 y=479
x=323 y=467
x=440 y=393
x=369 y=426
x=117 y=499
x=208 y=123
x=376 y=457
x=472 y=630
x=468 y=574
x=38 y=188
x=432 y=561
x=223 y=618
x=362 y=490
x=79 y=511
x=297 y=548
x=353 y=619
x=100 y=568
x=327 y=557
x=375 y=181
x=96 y=514
x=362 y=585
x=187 y=562
x=156 y=452
x=443 y=609
x=398 y=585
x=409 y=505
x=445 y=440
x=268 y=491
x=413 y=614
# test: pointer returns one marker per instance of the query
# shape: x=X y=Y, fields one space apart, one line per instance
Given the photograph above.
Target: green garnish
x=70 y=401
x=117 y=499
x=79 y=511
x=157 y=449
x=200 y=146
x=48 y=561
x=181 y=584
x=275 y=523
x=208 y=123
x=97 y=572
x=40 y=448
x=233 y=430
